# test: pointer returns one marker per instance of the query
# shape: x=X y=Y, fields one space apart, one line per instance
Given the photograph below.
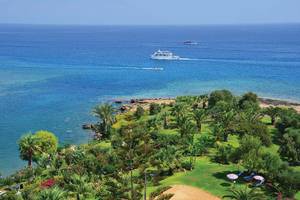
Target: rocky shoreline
x=130 y=105
x=267 y=102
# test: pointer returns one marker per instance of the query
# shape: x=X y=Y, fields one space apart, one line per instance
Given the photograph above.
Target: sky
x=149 y=12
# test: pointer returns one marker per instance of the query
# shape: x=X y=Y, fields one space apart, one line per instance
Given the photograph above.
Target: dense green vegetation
x=197 y=141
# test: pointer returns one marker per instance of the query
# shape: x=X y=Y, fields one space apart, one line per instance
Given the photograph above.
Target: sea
x=51 y=76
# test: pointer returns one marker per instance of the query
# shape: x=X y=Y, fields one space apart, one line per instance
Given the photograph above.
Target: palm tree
x=199 y=116
x=28 y=147
x=272 y=112
x=80 y=187
x=165 y=119
x=186 y=128
x=245 y=194
x=177 y=110
x=225 y=121
x=105 y=113
x=218 y=131
x=204 y=99
x=52 y=194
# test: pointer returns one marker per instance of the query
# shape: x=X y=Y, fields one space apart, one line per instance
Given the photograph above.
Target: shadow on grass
x=225 y=184
x=222 y=175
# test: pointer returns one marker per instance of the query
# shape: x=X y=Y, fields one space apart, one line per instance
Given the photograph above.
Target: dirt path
x=183 y=192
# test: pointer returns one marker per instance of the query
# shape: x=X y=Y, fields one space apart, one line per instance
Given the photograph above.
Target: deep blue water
x=51 y=76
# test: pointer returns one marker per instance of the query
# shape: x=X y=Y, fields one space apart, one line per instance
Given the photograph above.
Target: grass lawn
x=208 y=176
x=298 y=196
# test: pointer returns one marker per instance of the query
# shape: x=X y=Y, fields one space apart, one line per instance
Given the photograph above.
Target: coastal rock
x=278 y=102
x=133 y=100
x=87 y=126
x=118 y=101
x=124 y=108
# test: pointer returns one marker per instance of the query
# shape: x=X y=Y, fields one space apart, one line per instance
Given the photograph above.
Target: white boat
x=164 y=55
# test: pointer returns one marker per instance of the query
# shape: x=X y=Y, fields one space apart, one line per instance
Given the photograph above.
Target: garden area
x=223 y=144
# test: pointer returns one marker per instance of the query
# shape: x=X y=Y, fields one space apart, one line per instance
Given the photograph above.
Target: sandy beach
x=267 y=102
x=145 y=103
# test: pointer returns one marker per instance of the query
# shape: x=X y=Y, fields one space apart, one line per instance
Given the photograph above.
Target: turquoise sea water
x=51 y=76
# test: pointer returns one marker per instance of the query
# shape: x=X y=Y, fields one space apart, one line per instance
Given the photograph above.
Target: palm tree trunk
x=165 y=123
x=225 y=137
x=199 y=126
x=272 y=120
x=191 y=162
x=131 y=184
x=30 y=159
x=145 y=186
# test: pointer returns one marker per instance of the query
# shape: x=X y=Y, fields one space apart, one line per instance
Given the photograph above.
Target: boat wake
x=137 y=68
x=152 y=68
x=188 y=59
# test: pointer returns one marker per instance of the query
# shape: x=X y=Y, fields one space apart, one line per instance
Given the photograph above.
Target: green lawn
x=206 y=175
x=298 y=196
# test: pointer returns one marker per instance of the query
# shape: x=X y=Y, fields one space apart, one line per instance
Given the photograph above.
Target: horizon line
x=211 y=24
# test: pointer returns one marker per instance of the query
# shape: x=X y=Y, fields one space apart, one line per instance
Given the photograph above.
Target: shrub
x=7 y=181
x=289 y=182
x=249 y=152
x=165 y=139
x=256 y=129
x=290 y=146
x=48 y=183
x=202 y=144
x=139 y=112
x=165 y=196
x=74 y=155
x=288 y=118
x=249 y=100
x=187 y=165
x=220 y=95
x=154 y=123
x=252 y=160
x=11 y=195
x=158 y=192
x=244 y=193
x=48 y=141
x=223 y=154
x=154 y=108
x=52 y=194
x=272 y=165
x=248 y=143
